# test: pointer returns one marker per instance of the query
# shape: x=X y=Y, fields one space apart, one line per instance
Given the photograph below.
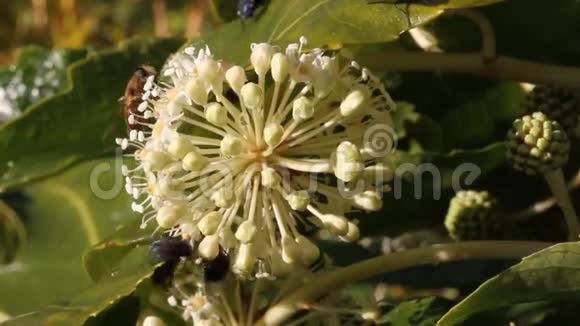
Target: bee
x=247 y=8
x=169 y=250
x=134 y=92
x=217 y=269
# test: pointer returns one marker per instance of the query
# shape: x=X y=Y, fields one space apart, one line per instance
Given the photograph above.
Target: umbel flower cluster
x=473 y=215
x=239 y=160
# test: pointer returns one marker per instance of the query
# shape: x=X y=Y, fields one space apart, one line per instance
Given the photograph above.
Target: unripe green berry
x=473 y=215
x=537 y=144
x=558 y=103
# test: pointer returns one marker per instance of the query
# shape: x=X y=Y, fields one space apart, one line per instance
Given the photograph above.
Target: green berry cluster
x=473 y=215
x=537 y=144
x=560 y=104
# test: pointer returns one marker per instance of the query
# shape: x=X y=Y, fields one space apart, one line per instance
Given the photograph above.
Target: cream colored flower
x=247 y=156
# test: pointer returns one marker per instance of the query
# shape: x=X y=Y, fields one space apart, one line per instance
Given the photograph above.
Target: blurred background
x=99 y=23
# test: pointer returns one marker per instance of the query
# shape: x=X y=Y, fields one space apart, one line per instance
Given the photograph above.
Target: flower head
x=239 y=159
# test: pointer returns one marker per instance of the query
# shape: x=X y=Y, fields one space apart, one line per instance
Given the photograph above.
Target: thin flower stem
x=485 y=28
x=253 y=299
x=499 y=67
x=544 y=204
x=324 y=283
x=555 y=180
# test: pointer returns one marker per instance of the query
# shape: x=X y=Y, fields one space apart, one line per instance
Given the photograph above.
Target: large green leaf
x=12 y=233
x=103 y=257
x=79 y=123
x=38 y=73
x=63 y=217
x=128 y=275
x=322 y=22
x=550 y=274
x=417 y=312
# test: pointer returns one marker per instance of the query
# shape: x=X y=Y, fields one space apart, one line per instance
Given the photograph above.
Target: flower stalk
x=322 y=284
x=498 y=67
x=555 y=180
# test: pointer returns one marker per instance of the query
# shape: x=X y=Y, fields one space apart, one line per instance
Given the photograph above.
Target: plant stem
x=555 y=180
x=542 y=205
x=499 y=67
x=488 y=49
x=321 y=284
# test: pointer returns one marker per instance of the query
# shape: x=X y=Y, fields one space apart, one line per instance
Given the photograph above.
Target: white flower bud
x=227 y=238
x=336 y=224
x=155 y=160
x=190 y=230
x=368 y=200
x=209 y=70
x=245 y=259
x=291 y=251
x=379 y=173
x=353 y=233
x=179 y=147
x=223 y=198
x=310 y=251
x=273 y=134
x=132 y=134
x=236 y=77
x=153 y=321
x=298 y=200
x=270 y=177
x=196 y=90
x=302 y=109
x=251 y=95
x=174 y=108
x=348 y=164
x=169 y=214
x=231 y=145
x=216 y=114
x=354 y=102
x=194 y=161
x=209 y=247
x=279 y=267
x=246 y=231
x=209 y=223
x=143 y=106
x=261 y=57
x=280 y=67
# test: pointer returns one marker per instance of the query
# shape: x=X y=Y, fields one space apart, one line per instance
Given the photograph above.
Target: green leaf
x=352 y=22
x=417 y=312
x=550 y=274
x=63 y=218
x=477 y=121
x=102 y=258
x=79 y=123
x=38 y=74
x=131 y=273
x=12 y=233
